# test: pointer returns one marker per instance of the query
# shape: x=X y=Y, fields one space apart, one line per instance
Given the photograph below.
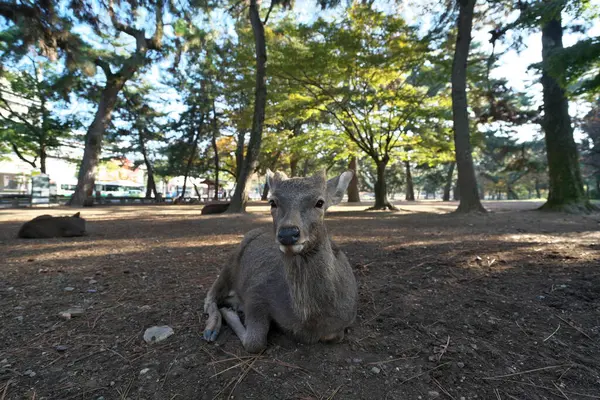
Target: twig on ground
x=424 y=372
x=167 y=373
x=443 y=349
x=522 y=330
x=497 y=393
x=228 y=359
x=560 y=390
x=53 y=327
x=526 y=372
x=563 y=374
x=376 y=315
x=591 y=396
x=285 y=364
x=443 y=389
x=5 y=391
x=392 y=360
x=53 y=361
x=552 y=334
x=126 y=392
x=334 y=393
x=243 y=375
x=574 y=327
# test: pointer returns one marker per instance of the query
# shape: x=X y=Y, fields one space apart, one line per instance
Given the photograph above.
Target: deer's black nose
x=288 y=236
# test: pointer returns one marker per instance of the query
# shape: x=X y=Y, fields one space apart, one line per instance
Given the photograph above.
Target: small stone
x=112 y=383
x=357 y=360
x=19 y=318
x=69 y=289
x=100 y=398
x=460 y=364
x=474 y=346
x=18 y=308
x=92 y=281
x=375 y=370
x=158 y=333
x=145 y=308
x=144 y=371
x=61 y=348
x=29 y=373
x=433 y=394
x=71 y=313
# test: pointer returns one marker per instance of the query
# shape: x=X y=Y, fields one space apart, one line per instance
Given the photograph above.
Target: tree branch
x=105 y=67
x=269 y=12
x=121 y=27
x=155 y=42
x=18 y=153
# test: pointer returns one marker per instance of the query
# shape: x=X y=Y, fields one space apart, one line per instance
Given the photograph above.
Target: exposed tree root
x=386 y=206
x=470 y=208
x=580 y=207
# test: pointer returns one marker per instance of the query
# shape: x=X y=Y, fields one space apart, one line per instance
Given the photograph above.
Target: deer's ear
x=77 y=215
x=336 y=187
x=274 y=178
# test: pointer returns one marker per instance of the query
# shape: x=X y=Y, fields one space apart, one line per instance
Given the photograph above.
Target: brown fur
x=309 y=291
x=215 y=208
x=47 y=226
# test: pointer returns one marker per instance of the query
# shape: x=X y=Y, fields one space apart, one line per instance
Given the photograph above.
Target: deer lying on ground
x=295 y=277
x=47 y=226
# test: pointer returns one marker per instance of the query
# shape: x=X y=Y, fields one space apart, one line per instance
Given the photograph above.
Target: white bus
x=105 y=188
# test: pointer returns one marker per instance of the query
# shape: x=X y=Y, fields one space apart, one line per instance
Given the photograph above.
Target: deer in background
x=294 y=276
x=47 y=226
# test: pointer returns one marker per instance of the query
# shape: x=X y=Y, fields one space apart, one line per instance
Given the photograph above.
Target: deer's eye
x=272 y=203
x=319 y=204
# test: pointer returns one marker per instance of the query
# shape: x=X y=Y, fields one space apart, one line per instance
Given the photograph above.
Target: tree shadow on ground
x=502 y=304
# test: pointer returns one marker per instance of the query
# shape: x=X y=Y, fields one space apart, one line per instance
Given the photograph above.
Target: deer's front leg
x=254 y=334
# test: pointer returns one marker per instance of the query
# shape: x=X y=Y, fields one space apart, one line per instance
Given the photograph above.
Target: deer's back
x=48 y=227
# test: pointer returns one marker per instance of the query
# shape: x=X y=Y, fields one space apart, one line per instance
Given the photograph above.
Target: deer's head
x=298 y=206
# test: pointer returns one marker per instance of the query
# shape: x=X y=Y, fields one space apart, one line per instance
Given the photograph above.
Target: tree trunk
x=410 y=189
x=537 y=188
x=565 y=186
x=448 y=185
x=239 y=153
x=93 y=143
x=381 y=200
x=353 y=193
x=151 y=184
x=265 y=193
x=188 y=166
x=215 y=130
x=469 y=196
x=294 y=165
x=305 y=167
x=43 y=156
x=238 y=201
x=456 y=192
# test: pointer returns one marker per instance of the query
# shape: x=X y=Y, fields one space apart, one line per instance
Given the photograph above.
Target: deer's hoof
x=210 y=335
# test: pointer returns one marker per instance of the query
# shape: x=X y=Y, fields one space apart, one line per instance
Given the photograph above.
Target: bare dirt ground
x=500 y=306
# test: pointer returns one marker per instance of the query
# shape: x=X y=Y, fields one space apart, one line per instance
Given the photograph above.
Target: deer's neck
x=311 y=279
